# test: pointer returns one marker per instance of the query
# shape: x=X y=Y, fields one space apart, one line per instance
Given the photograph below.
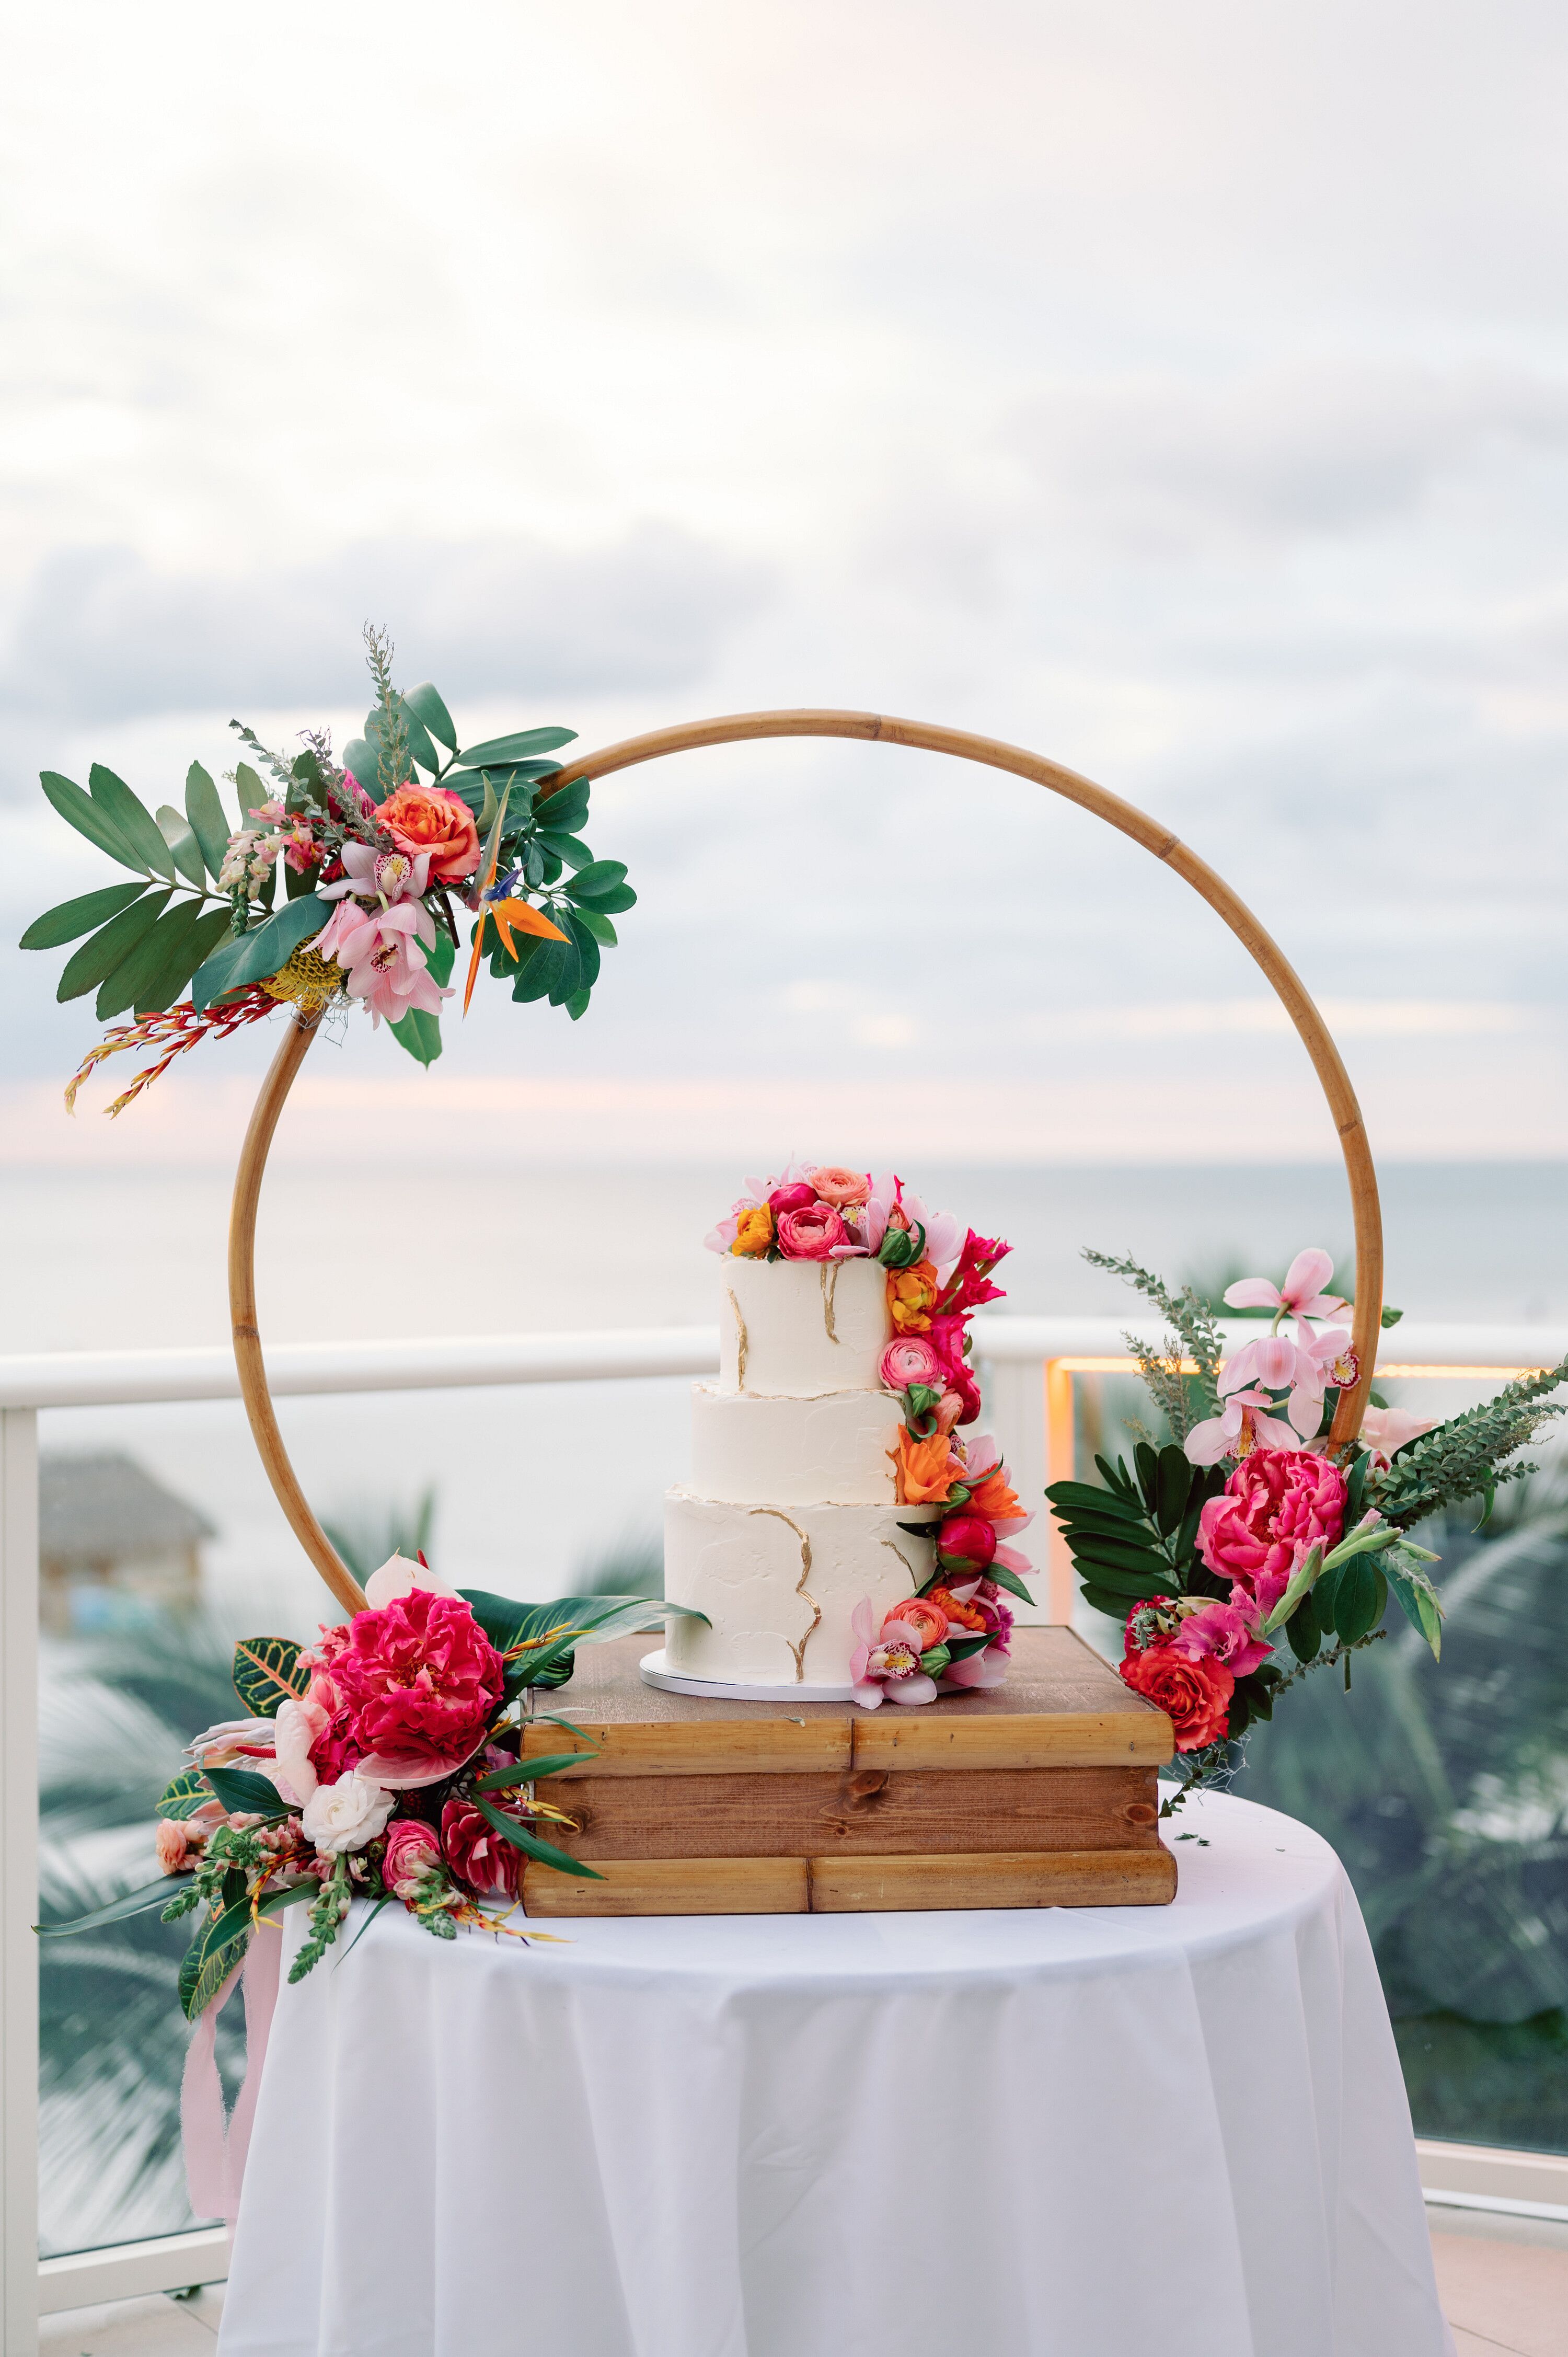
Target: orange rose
x=754 y=1232
x=924 y=1474
x=911 y=1295
x=994 y=1499
x=433 y=819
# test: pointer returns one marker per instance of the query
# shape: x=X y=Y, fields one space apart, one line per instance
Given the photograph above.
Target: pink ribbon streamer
x=215 y=2149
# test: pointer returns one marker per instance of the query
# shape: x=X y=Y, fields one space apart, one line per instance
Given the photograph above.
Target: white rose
x=346 y=1814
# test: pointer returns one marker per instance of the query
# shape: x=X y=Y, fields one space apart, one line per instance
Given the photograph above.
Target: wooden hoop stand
x=738 y=728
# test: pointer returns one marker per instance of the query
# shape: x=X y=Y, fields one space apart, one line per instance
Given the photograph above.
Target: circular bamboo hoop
x=874 y=727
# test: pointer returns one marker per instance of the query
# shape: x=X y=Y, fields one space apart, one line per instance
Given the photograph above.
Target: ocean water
x=534 y=1484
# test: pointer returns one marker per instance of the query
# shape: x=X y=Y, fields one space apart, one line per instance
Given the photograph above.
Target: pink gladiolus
x=1299 y=1296
x=381 y=953
x=1245 y=1423
x=1386 y=1429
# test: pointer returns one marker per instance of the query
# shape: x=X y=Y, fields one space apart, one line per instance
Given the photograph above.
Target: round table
x=1107 y=2132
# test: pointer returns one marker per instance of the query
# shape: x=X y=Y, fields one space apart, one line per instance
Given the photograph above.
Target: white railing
x=1029 y=1365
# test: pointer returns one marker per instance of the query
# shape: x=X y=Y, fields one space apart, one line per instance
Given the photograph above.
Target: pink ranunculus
x=910 y=1360
x=413 y=1849
x=1277 y=1505
x=477 y=1855
x=810 y=1232
x=840 y=1187
x=1229 y=1632
x=797 y=1195
x=173 y=1845
x=415 y=1687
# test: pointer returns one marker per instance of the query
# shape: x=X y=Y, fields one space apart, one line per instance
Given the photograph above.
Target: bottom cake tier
x=779 y=1585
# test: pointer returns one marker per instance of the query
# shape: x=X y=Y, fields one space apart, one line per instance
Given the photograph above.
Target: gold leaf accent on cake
x=740 y=1341
x=905 y=1562
x=801 y=1588
x=828 y=1275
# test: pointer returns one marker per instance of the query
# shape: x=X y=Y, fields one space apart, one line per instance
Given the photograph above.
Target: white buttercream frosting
x=801 y=1327
x=830 y=1450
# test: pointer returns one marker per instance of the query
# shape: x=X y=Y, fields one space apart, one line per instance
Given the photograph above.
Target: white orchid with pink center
x=1303 y=1368
x=382 y=953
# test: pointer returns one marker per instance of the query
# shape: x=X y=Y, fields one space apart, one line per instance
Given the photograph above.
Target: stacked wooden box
x=1039 y=1793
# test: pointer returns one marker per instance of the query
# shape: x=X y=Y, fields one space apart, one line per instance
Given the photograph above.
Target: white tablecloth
x=1118 y=2132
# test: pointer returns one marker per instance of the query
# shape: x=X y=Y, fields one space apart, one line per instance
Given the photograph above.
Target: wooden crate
x=1038 y=1794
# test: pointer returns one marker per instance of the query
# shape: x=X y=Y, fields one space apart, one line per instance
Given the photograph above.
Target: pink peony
x=840 y=1187
x=480 y=1858
x=411 y=1850
x=413 y=1686
x=810 y=1232
x=969 y=1536
x=1277 y=1505
x=910 y=1360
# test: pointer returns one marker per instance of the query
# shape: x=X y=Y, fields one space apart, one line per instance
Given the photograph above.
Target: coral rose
x=477 y=1855
x=1277 y=1505
x=417 y=1685
x=840 y=1187
x=1194 y=1696
x=810 y=1232
x=911 y=1294
x=754 y=1232
x=923 y=1468
x=432 y=819
x=173 y=1845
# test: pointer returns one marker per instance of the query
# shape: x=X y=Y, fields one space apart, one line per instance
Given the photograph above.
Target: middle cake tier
x=833 y=1450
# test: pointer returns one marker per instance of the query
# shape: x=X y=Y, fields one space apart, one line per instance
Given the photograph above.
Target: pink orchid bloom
x=886 y=1664
x=1386 y=1429
x=1229 y=1632
x=233 y=1740
x=1247 y=1423
x=945 y=1233
x=987 y=1669
x=299 y=1724
x=1299 y=1296
x=381 y=952
x=383 y=876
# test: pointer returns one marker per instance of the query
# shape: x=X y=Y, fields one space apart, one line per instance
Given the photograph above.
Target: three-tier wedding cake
x=826 y=1459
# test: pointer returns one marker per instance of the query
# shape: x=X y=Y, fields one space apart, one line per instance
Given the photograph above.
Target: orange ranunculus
x=995 y=1498
x=753 y=1232
x=925 y=1475
x=924 y=1616
x=964 y=1614
x=911 y=1296
x=432 y=819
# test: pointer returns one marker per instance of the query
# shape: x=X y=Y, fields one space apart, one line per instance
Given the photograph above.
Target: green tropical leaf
x=267 y=1674
x=1301 y=1629
x=253 y=791
x=96 y=960
x=70 y=919
x=1010 y=1580
x=420 y=748
x=600 y=926
x=1173 y=1480
x=600 y=877
x=1107 y=1554
x=209 y=819
x=131 y=817
x=1358 y=1599
x=218 y=1947
x=1131 y=1584
x=586 y=945
x=614 y=901
x=418 y=1032
x=242 y=1790
x=251 y=957
x=158 y=967
x=521 y=746
x=183 y=845
x=211 y=928
x=1067 y=1495
x=188 y=1793
x=427 y=705
x=564 y=811
x=360 y=759
x=529 y=1771
x=1100 y=1599
x=133 y=1902
x=570 y=848
x=83 y=813
x=544 y=1852
x=577 y=1005
x=537 y=973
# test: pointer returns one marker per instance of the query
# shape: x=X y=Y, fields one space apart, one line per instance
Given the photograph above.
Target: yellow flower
x=911 y=1294
x=755 y=1233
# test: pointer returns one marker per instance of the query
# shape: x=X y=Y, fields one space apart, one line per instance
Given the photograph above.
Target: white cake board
x=720 y=1689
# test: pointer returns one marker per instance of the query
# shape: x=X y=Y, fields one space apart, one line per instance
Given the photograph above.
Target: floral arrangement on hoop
x=1247 y=1527
x=384 y=1762
x=377 y=852
x=953 y=1633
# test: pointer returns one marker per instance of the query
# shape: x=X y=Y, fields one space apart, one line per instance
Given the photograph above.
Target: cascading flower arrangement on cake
x=1247 y=1527
x=378 y=851
x=382 y=1763
x=894 y=1368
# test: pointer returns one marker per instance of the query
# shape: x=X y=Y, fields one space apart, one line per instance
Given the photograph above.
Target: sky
x=1180 y=394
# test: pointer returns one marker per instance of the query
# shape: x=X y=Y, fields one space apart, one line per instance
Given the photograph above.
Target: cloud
x=99 y=634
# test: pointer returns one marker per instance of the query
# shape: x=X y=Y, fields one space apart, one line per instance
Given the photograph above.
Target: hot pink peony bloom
x=970 y=1536
x=1299 y=1296
x=382 y=951
x=910 y=1360
x=414 y=1687
x=1277 y=1505
x=411 y=1850
x=840 y=1187
x=810 y=1232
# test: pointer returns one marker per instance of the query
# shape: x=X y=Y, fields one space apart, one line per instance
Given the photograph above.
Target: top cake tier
x=800 y=1327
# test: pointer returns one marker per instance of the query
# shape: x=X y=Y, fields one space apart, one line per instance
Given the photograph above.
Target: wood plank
x=835 y=1885
x=673 y=1885
x=866 y=1812
x=870 y=1885
x=1061 y=1705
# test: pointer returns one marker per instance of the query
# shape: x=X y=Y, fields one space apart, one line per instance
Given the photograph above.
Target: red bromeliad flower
x=409 y=1690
